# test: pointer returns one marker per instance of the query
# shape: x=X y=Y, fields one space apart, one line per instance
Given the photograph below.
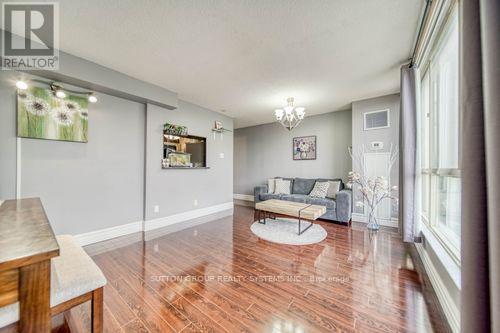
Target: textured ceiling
x=246 y=57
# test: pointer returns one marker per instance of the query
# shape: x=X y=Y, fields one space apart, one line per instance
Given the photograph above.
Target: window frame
x=432 y=171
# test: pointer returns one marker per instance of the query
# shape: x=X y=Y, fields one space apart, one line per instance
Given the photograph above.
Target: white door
x=377 y=164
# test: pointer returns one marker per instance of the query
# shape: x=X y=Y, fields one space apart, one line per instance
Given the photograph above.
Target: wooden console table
x=27 y=244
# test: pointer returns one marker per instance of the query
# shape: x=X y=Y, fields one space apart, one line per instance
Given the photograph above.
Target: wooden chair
x=75 y=279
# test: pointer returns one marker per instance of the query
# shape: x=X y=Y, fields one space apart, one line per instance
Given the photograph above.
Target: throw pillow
x=271 y=185
x=333 y=189
x=282 y=186
x=320 y=189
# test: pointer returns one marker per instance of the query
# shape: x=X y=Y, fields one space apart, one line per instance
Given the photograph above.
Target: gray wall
x=386 y=135
x=7 y=136
x=265 y=151
x=174 y=191
x=102 y=184
x=83 y=186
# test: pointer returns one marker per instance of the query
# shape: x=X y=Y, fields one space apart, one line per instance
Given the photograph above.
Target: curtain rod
x=421 y=28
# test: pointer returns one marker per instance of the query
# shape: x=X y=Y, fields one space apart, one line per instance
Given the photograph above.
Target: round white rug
x=284 y=231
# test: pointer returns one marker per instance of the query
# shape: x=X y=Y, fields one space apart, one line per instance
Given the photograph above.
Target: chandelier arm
x=298 y=122
x=283 y=124
x=291 y=118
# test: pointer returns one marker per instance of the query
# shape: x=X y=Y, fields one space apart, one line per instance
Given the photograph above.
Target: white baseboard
x=130 y=228
x=186 y=216
x=108 y=233
x=244 y=197
x=450 y=309
x=392 y=222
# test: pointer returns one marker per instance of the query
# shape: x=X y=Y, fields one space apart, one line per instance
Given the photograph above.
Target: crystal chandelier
x=290 y=116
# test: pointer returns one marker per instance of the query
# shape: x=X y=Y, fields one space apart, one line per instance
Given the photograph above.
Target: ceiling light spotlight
x=60 y=93
x=92 y=98
x=21 y=85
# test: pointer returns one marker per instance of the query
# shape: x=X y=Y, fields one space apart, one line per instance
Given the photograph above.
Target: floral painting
x=304 y=148
x=41 y=115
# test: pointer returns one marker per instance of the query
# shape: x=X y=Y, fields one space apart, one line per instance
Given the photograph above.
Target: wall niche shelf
x=184 y=168
x=183 y=151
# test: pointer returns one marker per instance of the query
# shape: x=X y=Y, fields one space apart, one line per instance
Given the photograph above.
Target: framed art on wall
x=41 y=115
x=304 y=148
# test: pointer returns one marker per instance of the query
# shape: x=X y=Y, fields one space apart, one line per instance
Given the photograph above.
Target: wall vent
x=377 y=119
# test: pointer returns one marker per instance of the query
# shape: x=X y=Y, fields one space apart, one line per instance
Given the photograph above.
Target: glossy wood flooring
x=219 y=277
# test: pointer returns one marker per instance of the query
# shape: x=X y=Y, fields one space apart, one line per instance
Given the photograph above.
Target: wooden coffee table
x=301 y=211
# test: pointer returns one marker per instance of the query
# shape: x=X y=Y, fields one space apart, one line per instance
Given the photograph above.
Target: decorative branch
x=374 y=190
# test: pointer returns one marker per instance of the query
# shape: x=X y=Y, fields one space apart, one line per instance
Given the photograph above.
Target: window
x=439 y=133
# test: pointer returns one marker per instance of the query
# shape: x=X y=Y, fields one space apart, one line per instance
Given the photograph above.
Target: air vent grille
x=376 y=119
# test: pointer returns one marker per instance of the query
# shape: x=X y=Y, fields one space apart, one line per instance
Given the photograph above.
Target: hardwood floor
x=219 y=277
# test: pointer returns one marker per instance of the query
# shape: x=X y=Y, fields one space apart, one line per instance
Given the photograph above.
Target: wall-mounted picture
x=304 y=148
x=41 y=115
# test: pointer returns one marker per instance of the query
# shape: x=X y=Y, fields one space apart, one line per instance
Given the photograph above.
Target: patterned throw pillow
x=282 y=186
x=320 y=189
x=333 y=189
x=271 y=185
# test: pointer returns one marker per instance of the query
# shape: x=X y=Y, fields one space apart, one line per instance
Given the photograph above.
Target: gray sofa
x=338 y=209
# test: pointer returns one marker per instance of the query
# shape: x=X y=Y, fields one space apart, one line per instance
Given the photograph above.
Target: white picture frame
x=367 y=128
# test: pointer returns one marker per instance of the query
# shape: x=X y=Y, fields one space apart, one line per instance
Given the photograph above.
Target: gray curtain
x=479 y=91
x=407 y=153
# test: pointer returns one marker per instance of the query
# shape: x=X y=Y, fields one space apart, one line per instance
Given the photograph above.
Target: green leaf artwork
x=41 y=115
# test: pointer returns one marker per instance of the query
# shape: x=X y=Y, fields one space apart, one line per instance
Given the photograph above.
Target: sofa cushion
x=303 y=185
x=329 y=203
x=282 y=186
x=269 y=196
x=9 y=314
x=271 y=184
x=291 y=182
x=73 y=272
x=333 y=189
x=334 y=179
x=295 y=197
x=320 y=190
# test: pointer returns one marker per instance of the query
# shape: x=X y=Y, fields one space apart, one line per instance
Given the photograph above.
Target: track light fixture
x=58 y=90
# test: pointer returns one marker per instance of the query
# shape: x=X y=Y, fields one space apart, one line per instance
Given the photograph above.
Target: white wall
x=386 y=135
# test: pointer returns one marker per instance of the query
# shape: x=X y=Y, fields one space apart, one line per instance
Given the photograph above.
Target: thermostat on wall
x=377 y=145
